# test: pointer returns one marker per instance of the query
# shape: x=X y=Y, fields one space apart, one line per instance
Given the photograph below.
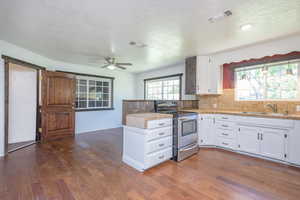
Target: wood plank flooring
x=13 y=146
x=89 y=167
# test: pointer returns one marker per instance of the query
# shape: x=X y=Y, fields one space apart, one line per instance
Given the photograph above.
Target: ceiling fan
x=112 y=64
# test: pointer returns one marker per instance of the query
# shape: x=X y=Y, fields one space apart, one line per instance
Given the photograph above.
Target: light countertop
x=140 y=120
x=252 y=114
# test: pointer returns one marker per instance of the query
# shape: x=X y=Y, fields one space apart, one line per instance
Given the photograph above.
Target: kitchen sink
x=265 y=113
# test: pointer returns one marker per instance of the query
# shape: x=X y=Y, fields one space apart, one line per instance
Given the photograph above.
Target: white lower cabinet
x=293 y=145
x=145 y=148
x=206 y=130
x=276 y=139
x=248 y=139
x=273 y=143
x=263 y=141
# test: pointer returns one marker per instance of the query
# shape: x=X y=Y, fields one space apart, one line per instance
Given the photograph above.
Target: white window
x=273 y=81
x=93 y=93
x=167 y=88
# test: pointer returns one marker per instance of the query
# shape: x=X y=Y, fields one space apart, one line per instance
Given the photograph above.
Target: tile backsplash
x=226 y=101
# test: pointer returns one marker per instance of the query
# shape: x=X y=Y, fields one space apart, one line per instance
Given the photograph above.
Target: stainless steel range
x=185 y=135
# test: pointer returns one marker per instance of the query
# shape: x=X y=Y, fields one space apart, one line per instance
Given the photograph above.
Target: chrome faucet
x=273 y=107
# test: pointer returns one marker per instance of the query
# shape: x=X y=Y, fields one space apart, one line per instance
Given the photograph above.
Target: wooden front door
x=58 y=100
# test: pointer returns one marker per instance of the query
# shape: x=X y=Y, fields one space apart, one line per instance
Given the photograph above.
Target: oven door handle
x=184 y=119
x=190 y=148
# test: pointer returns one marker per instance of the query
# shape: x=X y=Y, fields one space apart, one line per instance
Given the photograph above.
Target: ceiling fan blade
x=120 y=67
x=127 y=64
x=105 y=66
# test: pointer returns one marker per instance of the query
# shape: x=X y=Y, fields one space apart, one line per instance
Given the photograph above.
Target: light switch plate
x=298 y=108
x=215 y=105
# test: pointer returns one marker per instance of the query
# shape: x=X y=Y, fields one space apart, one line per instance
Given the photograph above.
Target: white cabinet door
x=209 y=76
x=203 y=66
x=294 y=144
x=248 y=139
x=272 y=143
x=206 y=130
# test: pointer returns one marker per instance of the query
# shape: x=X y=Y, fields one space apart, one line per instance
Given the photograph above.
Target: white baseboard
x=133 y=163
x=251 y=155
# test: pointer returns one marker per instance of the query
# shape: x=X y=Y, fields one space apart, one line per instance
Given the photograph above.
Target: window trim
x=164 y=77
x=269 y=64
x=95 y=76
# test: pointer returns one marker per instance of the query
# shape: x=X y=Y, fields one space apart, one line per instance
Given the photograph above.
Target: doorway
x=22 y=104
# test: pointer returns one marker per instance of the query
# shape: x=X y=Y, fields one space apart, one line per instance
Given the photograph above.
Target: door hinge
x=239 y=146
x=239 y=129
x=285 y=135
x=285 y=155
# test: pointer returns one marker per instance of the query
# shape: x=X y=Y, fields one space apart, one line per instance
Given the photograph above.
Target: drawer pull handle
x=224 y=117
x=226 y=126
x=225 y=134
x=161 y=145
x=225 y=143
x=161 y=157
x=161 y=133
x=161 y=124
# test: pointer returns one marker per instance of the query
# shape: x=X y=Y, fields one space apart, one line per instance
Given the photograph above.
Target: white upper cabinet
x=209 y=76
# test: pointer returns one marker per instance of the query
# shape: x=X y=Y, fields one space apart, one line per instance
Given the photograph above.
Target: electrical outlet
x=298 y=108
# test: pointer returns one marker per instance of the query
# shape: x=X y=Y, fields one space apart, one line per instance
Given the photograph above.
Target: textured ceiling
x=83 y=31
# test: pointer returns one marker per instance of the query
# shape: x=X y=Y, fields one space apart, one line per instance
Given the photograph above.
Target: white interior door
x=248 y=139
x=22 y=103
x=272 y=143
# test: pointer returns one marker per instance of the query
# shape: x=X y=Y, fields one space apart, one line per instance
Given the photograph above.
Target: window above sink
x=273 y=81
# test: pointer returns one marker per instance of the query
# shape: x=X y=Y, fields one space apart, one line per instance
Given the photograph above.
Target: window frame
x=270 y=64
x=164 y=77
x=90 y=77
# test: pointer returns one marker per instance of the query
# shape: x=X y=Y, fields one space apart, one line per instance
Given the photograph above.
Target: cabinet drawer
x=159 y=133
x=158 y=157
x=230 y=134
x=225 y=125
x=159 y=123
x=158 y=144
x=225 y=117
x=226 y=143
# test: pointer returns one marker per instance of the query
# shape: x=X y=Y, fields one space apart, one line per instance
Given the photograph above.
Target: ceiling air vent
x=219 y=17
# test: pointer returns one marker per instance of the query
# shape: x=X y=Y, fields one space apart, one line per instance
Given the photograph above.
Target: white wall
x=1 y=107
x=22 y=104
x=175 y=69
x=85 y=121
x=280 y=46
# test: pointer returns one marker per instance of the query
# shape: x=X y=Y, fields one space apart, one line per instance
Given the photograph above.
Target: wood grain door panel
x=58 y=97
x=59 y=123
x=60 y=90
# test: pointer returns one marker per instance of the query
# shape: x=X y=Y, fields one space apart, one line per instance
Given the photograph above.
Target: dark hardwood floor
x=90 y=167
x=18 y=145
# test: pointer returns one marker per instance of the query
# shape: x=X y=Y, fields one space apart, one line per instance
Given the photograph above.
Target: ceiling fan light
x=111 y=67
